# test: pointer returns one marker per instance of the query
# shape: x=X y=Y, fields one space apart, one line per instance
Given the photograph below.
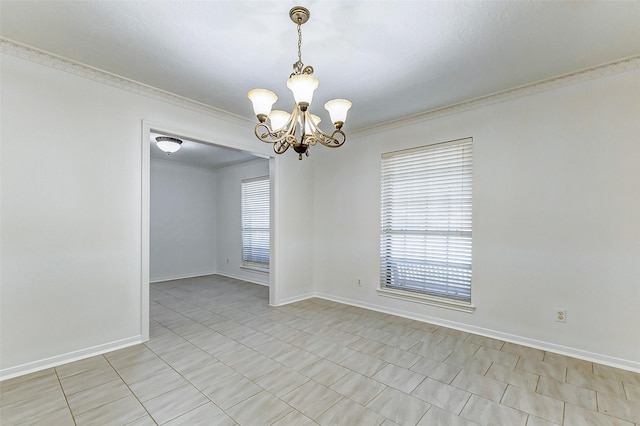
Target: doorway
x=192 y=204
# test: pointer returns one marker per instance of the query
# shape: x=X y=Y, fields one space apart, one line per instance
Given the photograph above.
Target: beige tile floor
x=219 y=355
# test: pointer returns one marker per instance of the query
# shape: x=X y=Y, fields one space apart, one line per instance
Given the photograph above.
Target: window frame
x=247 y=262
x=403 y=229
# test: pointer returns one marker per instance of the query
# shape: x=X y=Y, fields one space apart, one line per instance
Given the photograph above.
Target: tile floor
x=218 y=355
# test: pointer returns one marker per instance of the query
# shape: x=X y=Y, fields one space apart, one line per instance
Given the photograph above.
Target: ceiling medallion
x=285 y=127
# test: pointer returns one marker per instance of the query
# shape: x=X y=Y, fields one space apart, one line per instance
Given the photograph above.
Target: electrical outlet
x=359 y=282
x=561 y=315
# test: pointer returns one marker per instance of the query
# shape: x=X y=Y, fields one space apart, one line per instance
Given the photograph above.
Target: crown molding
x=38 y=56
x=627 y=64
x=58 y=62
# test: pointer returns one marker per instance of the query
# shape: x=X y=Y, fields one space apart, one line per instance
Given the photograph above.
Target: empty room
x=321 y=213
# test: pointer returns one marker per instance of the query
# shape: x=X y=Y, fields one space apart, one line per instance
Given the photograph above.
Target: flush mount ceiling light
x=284 y=126
x=167 y=144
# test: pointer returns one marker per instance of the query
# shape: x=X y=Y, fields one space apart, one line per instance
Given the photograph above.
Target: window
x=255 y=222
x=425 y=236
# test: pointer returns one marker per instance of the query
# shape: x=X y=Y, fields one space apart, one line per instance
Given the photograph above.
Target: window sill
x=440 y=302
x=255 y=269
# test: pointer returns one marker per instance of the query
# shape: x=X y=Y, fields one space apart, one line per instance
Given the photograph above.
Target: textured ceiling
x=390 y=58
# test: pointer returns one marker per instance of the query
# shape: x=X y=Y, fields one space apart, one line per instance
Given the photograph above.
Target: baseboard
x=181 y=277
x=43 y=364
x=294 y=299
x=237 y=277
x=512 y=338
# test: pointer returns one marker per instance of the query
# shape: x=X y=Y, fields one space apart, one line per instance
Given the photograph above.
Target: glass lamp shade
x=307 y=126
x=278 y=119
x=168 y=145
x=302 y=87
x=338 y=109
x=262 y=101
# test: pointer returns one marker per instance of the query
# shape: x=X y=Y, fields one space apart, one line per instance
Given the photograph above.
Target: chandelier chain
x=299 y=44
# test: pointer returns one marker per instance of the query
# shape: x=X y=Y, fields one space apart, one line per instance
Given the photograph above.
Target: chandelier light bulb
x=308 y=127
x=302 y=86
x=278 y=119
x=262 y=101
x=338 y=109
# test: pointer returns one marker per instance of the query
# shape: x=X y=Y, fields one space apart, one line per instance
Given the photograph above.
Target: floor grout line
x=132 y=393
x=65 y=396
x=197 y=312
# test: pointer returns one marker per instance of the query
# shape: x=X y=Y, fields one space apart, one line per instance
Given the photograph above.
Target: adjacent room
x=209 y=211
x=188 y=237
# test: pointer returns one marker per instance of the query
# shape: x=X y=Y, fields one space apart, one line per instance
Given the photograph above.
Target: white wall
x=71 y=209
x=294 y=270
x=556 y=211
x=183 y=230
x=556 y=222
x=229 y=227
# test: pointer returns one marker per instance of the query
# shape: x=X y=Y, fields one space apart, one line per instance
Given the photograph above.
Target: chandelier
x=300 y=128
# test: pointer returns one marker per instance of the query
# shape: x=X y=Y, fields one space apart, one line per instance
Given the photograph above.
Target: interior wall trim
x=154 y=280
x=58 y=62
x=38 y=56
x=43 y=364
x=293 y=299
x=241 y=278
x=623 y=65
x=512 y=338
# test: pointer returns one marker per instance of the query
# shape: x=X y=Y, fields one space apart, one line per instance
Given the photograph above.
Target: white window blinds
x=255 y=222
x=425 y=238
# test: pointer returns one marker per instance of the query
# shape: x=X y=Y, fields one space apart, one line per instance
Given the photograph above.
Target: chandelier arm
x=289 y=127
x=265 y=134
x=311 y=138
x=335 y=140
x=268 y=135
x=280 y=147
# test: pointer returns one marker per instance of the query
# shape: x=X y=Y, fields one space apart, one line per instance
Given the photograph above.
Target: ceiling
x=392 y=59
x=199 y=154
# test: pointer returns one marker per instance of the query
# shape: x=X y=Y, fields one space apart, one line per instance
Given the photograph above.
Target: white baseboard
x=153 y=280
x=43 y=364
x=247 y=279
x=537 y=344
x=294 y=299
